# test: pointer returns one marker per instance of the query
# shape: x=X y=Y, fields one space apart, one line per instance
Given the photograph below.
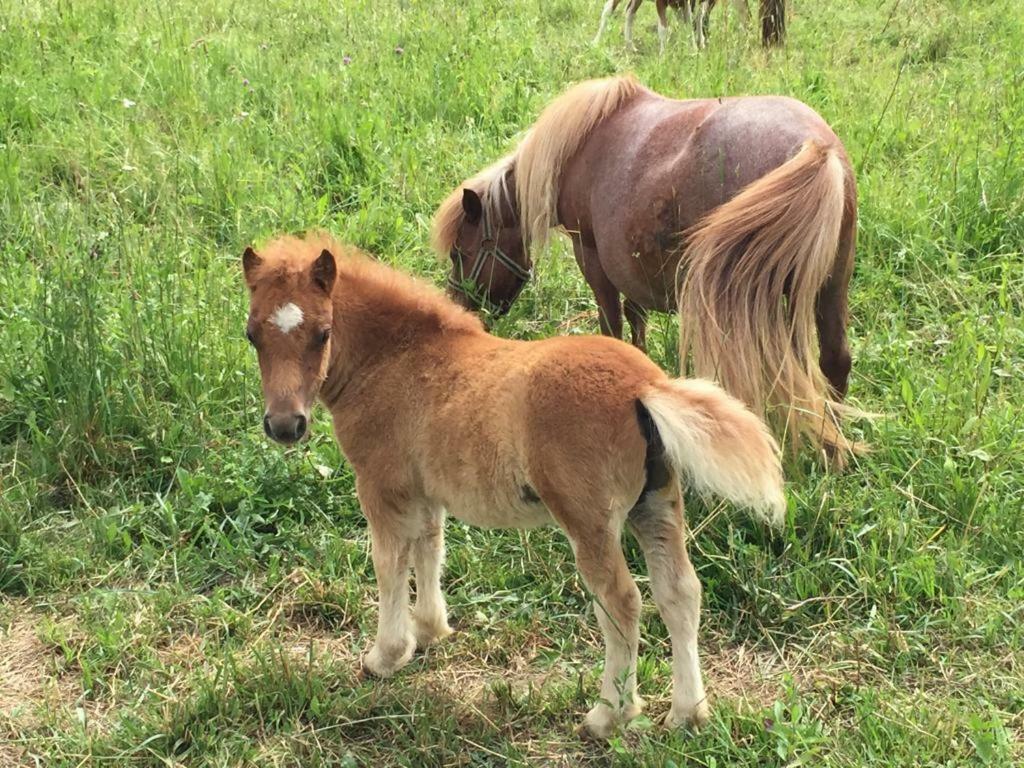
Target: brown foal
x=437 y=416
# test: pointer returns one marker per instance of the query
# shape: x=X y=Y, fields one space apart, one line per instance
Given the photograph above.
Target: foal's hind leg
x=600 y=561
x=658 y=524
x=430 y=616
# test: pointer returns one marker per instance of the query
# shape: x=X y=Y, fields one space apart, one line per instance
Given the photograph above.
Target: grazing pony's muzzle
x=285 y=428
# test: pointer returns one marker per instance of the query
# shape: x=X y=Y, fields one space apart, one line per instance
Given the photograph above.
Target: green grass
x=176 y=591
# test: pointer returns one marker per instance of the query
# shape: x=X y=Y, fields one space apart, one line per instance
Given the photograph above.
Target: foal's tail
x=753 y=269
x=714 y=440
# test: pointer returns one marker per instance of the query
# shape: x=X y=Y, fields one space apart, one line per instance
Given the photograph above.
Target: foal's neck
x=379 y=314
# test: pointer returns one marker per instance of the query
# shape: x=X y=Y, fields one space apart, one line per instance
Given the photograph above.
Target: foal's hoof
x=429 y=632
x=602 y=721
x=380 y=663
x=691 y=718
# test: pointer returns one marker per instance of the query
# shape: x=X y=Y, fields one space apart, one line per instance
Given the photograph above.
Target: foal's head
x=290 y=319
x=490 y=265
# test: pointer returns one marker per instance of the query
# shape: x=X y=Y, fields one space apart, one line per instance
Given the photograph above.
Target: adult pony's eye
x=323 y=336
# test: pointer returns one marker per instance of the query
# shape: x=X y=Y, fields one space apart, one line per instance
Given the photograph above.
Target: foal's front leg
x=430 y=616
x=394 y=645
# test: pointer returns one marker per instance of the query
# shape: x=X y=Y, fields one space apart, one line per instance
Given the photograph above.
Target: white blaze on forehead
x=287 y=317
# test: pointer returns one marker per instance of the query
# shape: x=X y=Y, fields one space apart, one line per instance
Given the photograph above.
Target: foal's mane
x=538 y=162
x=369 y=286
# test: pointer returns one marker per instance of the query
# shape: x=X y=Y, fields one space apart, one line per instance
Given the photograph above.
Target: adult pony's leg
x=391 y=543
x=637 y=317
x=609 y=9
x=831 y=310
x=630 y=13
x=603 y=567
x=658 y=524
x=430 y=616
x=609 y=305
x=662 y=24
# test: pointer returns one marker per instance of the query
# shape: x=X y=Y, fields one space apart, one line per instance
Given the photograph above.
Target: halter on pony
x=489 y=248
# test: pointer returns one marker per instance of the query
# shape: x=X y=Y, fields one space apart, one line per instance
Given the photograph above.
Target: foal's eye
x=323 y=336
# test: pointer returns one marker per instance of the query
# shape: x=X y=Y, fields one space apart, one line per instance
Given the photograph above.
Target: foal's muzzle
x=288 y=428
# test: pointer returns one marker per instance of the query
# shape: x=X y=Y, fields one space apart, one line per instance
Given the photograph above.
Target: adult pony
x=751 y=201
x=435 y=414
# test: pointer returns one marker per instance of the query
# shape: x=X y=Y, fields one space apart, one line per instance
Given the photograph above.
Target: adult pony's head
x=290 y=320
x=478 y=226
x=489 y=222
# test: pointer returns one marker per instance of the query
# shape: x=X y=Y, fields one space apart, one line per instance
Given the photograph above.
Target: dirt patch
x=28 y=675
x=36 y=684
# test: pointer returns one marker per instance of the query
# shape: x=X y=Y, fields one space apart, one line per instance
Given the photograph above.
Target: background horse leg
x=658 y=524
x=662 y=24
x=702 y=23
x=430 y=616
x=831 y=314
x=637 y=317
x=742 y=11
x=630 y=13
x=609 y=9
x=773 y=22
x=609 y=306
x=685 y=13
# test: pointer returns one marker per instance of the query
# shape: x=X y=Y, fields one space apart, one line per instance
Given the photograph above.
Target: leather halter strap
x=489 y=249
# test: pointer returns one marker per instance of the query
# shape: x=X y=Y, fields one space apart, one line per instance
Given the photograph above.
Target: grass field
x=174 y=590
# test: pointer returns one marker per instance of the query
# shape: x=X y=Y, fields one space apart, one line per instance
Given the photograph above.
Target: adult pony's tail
x=712 y=438
x=753 y=269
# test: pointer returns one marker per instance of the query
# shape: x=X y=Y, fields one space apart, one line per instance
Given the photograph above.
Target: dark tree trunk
x=773 y=22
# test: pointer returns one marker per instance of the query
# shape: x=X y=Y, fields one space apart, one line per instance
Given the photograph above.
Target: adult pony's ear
x=325 y=271
x=250 y=263
x=472 y=205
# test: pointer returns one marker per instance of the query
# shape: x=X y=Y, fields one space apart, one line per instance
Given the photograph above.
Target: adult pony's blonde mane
x=538 y=161
x=366 y=284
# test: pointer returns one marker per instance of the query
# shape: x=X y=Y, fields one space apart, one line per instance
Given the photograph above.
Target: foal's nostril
x=300 y=425
x=266 y=425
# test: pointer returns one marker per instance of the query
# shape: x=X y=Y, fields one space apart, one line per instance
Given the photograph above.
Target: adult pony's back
x=740 y=212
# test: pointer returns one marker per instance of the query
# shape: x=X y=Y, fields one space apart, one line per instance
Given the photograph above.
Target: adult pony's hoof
x=691 y=718
x=385 y=662
x=429 y=630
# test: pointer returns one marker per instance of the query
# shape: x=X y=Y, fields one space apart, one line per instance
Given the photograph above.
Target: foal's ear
x=250 y=262
x=472 y=205
x=324 y=271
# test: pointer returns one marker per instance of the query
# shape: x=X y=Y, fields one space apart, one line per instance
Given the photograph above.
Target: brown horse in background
x=740 y=212
x=696 y=14
x=435 y=415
